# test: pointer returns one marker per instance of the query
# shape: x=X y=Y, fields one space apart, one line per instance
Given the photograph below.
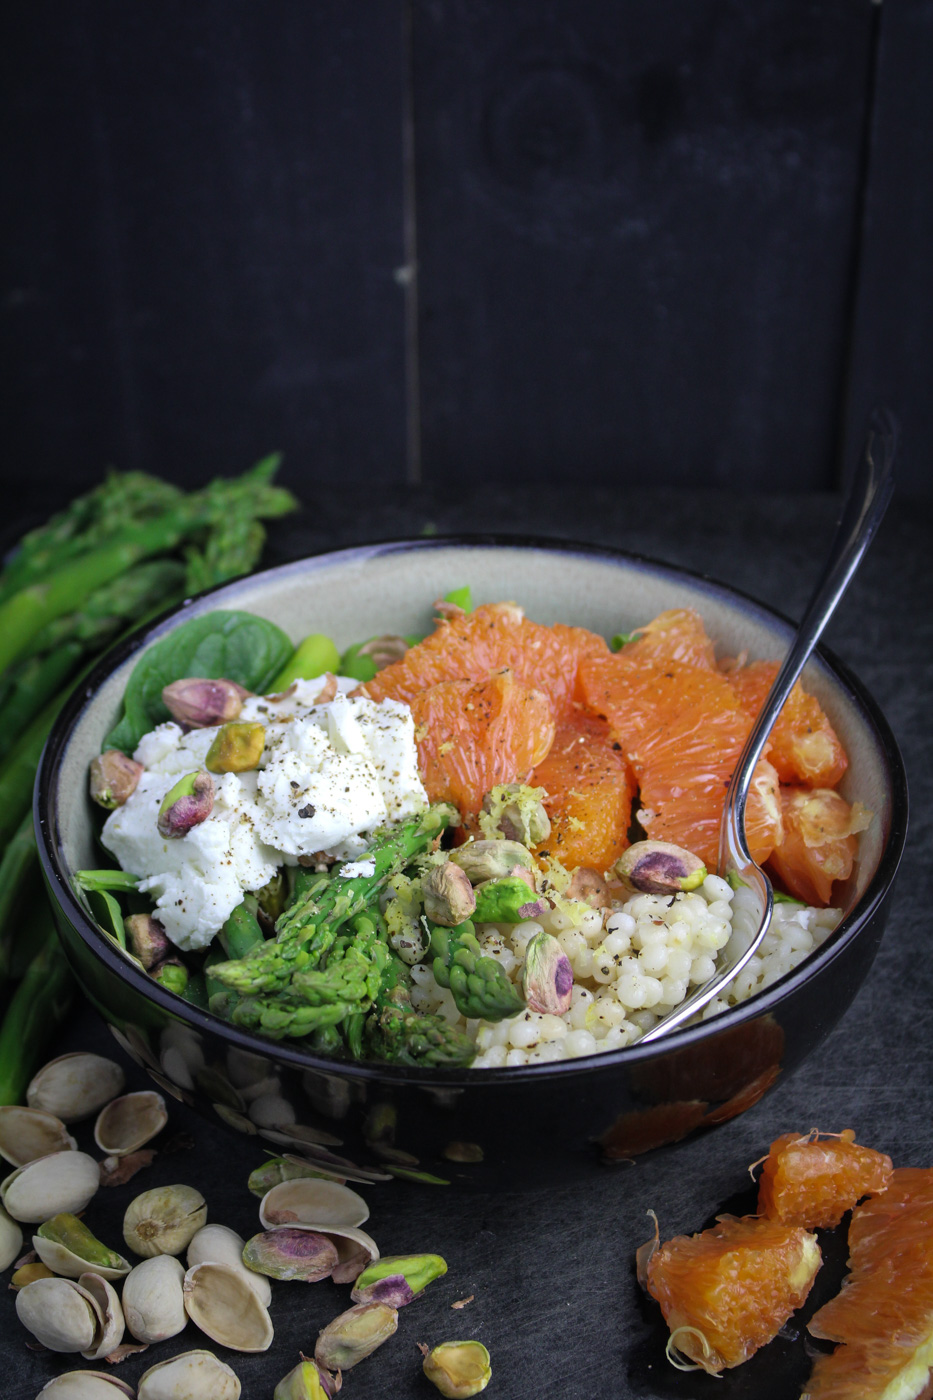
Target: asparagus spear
x=478 y=984
x=35 y=1009
x=156 y=583
x=402 y=1036
x=305 y=933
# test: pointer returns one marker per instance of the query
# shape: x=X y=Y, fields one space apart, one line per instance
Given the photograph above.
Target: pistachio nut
x=75 y=1086
x=110 y=1314
x=458 y=1369
x=380 y=1279
x=172 y=974
x=448 y=894
x=658 y=867
x=491 y=860
x=354 y=1335
x=305 y=1382
x=547 y=976
x=62 y=1181
x=59 y=1313
x=164 y=1220
x=28 y=1133
x=193 y=1373
x=312 y=1201
x=220 y=1301
x=199 y=702
x=28 y=1273
x=186 y=805
x=218 y=1244
x=86 y=1385
x=588 y=886
x=516 y=812
x=507 y=900
x=153 y=1300
x=11 y=1239
x=67 y=1246
x=237 y=748
x=113 y=778
x=146 y=938
x=129 y=1122
x=291 y=1253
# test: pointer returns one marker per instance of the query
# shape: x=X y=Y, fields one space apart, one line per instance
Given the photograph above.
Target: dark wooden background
x=661 y=243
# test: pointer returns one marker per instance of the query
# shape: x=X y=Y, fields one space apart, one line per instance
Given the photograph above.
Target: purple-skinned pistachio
x=491 y=860
x=237 y=748
x=147 y=939
x=354 y=1335
x=448 y=894
x=290 y=1253
x=588 y=886
x=198 y=702
x=658 y=867
x=547 y=977
x=186 y=805
x=518 y=813
x=113 y=778
x=397 y=1279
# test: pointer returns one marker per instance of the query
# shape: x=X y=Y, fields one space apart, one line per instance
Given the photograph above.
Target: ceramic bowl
x=530 y=1123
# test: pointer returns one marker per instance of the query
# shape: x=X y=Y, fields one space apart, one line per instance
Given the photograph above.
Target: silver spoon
x=864 y=508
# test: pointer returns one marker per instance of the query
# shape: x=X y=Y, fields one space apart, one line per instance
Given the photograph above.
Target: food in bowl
x=319 y=811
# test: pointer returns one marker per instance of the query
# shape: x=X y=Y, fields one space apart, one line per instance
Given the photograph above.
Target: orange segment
x=884 y=1314
x=819 y=845
x=682 y=730
x=804 y=745
x=813 y=1181
x=473 y=735
x=675 y=635
x=590 y=789
x=497 y=635
x=736 y=1285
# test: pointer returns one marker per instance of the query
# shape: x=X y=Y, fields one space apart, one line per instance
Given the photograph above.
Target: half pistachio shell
x=11 y=1240
x=129 y=1122
x=28 y=1133
x=60 y=1314
x=66 y=1245
x=86 y=1385
x=218 y=1244
x=312 y=1201
x=153 y=1299
x=75 y=1086
x=110 y=1313
x=63 y=1181
x=193 y=1374
x=354 y=1335
x=222 y=1303
x=164 y=1220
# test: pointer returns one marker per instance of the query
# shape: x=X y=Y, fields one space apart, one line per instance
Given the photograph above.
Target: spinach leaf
x=235 y=645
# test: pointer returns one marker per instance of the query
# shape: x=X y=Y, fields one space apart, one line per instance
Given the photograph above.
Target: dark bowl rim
x=53 y=866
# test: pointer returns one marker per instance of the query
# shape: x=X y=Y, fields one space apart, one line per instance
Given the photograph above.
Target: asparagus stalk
x=154 y=584
x=18 y=870
x=35 y=1010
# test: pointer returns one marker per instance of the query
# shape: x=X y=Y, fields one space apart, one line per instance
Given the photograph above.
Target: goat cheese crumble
x=329 y=775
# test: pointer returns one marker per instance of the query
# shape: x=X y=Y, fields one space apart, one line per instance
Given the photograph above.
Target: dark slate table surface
x=551 y=1275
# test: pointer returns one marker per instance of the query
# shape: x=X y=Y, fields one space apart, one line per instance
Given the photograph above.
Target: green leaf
x=620 y=639
x=108 y=914
x=236 y=646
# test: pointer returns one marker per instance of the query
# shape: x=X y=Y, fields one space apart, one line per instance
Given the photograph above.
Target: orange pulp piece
x=474 y=645
x=812 y=1181
x=675 y=635
x=804 y=746
x=819 y=845
x=682 y=730
x=883 y=1316
x=472 y=735
x=735 y=1285
x=590 y=789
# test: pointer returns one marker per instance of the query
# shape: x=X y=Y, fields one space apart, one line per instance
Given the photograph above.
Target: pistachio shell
x=164 y=1220
x=218 y=1244
x=11 y=1240
x=129 y=1122
x=312 y=1201
x=355 y=1250
x=67 y=1246
x=63 y=1181
x=193 y=1373
x=86 y=1385
x=112 y=1327
x=28 y=1133
x=221 y=1302
x=153 y=1299
x=59 y=1313
x=75 y=1086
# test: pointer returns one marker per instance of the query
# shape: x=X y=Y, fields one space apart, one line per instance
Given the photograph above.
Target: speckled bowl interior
x=357 y=593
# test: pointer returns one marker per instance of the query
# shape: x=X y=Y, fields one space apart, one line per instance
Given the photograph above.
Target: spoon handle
x=865 y=505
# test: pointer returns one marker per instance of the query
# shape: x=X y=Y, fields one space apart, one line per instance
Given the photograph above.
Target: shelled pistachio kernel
x=458 y=1369
x=113 y=778
x=186 y=805
x=237 y=748
x=200 y=702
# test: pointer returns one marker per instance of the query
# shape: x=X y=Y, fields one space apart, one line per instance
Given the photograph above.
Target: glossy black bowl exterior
x=508 y=1126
